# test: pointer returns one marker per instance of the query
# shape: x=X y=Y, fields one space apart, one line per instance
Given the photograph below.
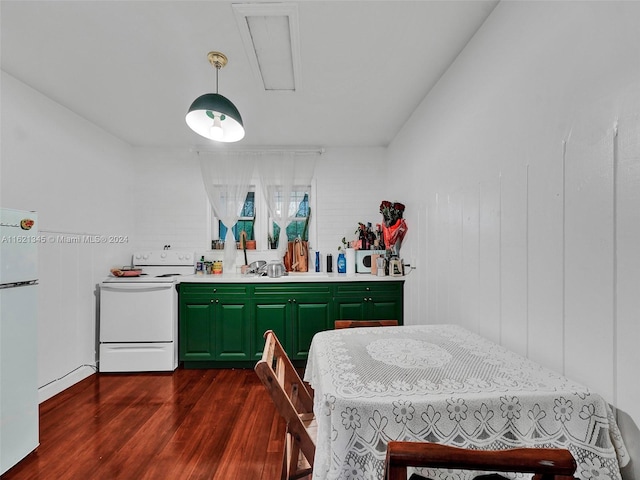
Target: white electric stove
x=139 y=315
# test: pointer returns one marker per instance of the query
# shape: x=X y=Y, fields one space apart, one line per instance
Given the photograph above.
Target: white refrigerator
x=18 y=336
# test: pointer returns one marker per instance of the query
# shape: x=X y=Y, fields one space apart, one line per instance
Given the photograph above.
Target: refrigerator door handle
x=18 y=284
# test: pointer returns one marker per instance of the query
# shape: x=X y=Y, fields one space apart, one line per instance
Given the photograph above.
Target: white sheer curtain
x=227 y=180
x=281 y=175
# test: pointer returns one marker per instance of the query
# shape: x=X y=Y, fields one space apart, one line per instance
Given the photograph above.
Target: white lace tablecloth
x=444 y=384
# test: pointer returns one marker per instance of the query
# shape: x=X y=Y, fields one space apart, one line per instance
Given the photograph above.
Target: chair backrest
x=545 y=463
x=364 y=323
x=294 y=403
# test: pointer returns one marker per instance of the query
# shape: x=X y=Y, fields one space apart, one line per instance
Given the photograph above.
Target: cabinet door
x=310 y=315
x=270 y=314
x=350 y=308
x=385 y=308
x=232 y=328
x=196 y=330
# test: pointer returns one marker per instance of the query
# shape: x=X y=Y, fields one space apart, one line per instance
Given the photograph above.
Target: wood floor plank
x=191 y=424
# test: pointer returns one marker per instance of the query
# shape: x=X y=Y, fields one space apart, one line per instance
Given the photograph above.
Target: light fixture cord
x=217 y=70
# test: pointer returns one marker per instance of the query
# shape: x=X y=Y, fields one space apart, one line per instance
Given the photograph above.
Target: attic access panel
x=270 y=35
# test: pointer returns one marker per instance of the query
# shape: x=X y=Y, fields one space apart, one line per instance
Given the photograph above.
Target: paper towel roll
x=351 y=261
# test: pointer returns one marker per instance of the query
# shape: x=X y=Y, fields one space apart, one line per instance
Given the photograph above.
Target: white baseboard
x=53 y=388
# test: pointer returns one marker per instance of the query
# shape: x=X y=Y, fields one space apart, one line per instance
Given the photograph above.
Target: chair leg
x=285 y=463
x=294 y=454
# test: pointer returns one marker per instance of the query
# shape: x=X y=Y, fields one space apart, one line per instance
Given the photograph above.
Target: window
x=299 y=226
x=245 y=222
x=260 y=226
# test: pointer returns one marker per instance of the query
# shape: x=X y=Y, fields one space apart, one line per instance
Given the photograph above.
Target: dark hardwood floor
x=192 y=424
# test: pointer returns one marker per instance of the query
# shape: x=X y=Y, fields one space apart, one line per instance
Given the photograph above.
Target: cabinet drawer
x=214 y=289
x=292 y=289
x=362 y=288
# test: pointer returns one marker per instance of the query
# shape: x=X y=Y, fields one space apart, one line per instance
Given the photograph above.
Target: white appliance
x=139 y=315
x=18 y=336
x=364 y=259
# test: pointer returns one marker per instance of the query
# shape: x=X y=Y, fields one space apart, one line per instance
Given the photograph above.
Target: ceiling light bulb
x=216 y=132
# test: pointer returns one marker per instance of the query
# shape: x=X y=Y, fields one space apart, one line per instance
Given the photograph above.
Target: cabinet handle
x=365 y=299
x=370 y=299
x=294 y=300
x=217 y=301
x=367 y=289
x=215 y=290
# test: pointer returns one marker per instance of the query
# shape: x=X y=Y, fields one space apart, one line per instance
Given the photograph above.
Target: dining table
x=446 y=384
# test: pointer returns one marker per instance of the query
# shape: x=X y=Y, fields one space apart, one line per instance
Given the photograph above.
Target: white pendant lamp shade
x=214 y=116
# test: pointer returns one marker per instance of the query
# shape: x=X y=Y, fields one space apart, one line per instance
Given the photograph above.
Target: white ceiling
x=134 y=67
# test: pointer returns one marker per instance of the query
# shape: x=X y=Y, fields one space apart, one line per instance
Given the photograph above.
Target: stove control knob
x=180 y=256
x=145 y=256
x=163 y=255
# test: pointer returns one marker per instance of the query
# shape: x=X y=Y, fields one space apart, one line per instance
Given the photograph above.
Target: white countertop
x=289 y=278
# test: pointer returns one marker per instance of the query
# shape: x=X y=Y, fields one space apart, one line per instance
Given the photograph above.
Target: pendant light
x=214 y=116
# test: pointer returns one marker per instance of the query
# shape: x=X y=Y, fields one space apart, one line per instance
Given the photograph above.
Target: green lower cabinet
x=232 y=329
x=369 y=301
x=196 y=330
x=294 y=312
x=310 y=315
x=223 y=325
x=270 y=314
x=214 y=324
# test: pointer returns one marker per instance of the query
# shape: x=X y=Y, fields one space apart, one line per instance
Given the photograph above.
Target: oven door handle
x=145 y=287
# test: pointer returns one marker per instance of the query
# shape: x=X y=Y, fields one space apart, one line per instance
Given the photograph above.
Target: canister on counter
x=217 y=267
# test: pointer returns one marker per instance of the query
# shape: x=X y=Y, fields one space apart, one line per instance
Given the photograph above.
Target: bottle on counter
x=200 y=266
x=329 y=263
x=371 y=237
x=342 y=263
x=362 y=238
x=317 y=261
x=379 y=238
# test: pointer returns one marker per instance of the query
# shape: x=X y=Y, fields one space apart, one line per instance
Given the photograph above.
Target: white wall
x=78 y=179
x=350 y=188
x=170 y=202
x=523 y=201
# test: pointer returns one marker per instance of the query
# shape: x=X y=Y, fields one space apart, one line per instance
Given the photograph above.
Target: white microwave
x=363 y=260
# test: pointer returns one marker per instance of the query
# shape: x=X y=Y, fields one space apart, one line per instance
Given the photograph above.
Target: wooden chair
x=544 y=463
x=364 y=323
x=294 y=403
